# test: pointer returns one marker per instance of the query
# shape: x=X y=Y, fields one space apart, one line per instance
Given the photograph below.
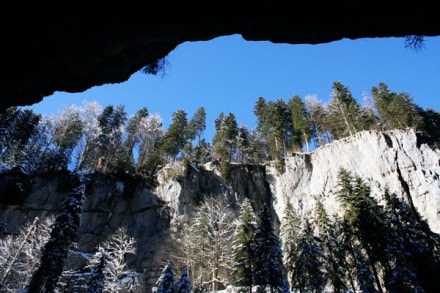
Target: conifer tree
x=412 y=249
x=197 y=124
x=68 y=132
x=150 y=146
x=243 y=247
x=16 y=129
x=290 y=228
x=345 y=252
x=431 y=124
x=86 y=153
x=274 y=123
x=134 y=133
x=268 y=270
x=334 y=261
x=396 y=110
x=300 y=123
x=175 y=136
x=184 y=284
x=344 y=112
x=165 y=284
x=97 y=281
x=110 y=141
x=308 y=271
x=319 y=120
x=225 y=141
x=64 y=233
x=366 y=218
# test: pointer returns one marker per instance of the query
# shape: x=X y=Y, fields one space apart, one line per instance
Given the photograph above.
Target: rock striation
x=400 y=161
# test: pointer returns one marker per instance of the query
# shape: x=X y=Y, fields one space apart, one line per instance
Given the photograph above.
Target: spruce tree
x=134 y=133
x=412 y=249
x=243 y=247
x=110 y=143
x=396 y=110
x=175 y=136
x=165 y=284
x=290 y=228
x=64 y=233
x=300 y=123
x=98 y=266
x=268 y=256
x=225 y=141
x=308 y=271
x=16 y=129
x=366 y=218
x=334 y=262
x=197 y=124
x=431 y=124
x=184 y=284
x=344 y=112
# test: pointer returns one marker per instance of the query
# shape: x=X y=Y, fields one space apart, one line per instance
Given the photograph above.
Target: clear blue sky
x=229 y=74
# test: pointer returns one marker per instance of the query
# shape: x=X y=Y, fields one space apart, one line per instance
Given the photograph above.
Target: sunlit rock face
x=399 y=161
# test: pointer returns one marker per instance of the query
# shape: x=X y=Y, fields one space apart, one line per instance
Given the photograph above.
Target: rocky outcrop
x=400 y=161
x=53 y=51
x=151 y=215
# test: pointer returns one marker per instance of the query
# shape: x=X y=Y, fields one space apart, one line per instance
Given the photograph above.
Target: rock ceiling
x=73 y=54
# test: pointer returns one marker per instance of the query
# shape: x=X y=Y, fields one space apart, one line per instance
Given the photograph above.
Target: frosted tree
x=209 y=243
x=152 y=133
x=59 y=134
x=243 y=246
x=184 y=284
x=64 y=232
x=85 y=153
x=134 y=133
x=20 y=254
x=165 y=284
x=115 y=249
x=318 y=118
x=110 y=141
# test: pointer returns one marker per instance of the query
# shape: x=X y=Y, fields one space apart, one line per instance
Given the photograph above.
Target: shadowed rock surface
x=50 y=52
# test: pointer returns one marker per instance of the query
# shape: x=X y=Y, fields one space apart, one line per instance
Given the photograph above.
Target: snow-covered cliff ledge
x=397 y=160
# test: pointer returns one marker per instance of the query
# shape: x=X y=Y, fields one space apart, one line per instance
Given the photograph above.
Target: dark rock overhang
x=73 y=54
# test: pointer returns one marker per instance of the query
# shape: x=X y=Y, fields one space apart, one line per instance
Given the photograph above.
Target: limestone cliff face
x=399 y=161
